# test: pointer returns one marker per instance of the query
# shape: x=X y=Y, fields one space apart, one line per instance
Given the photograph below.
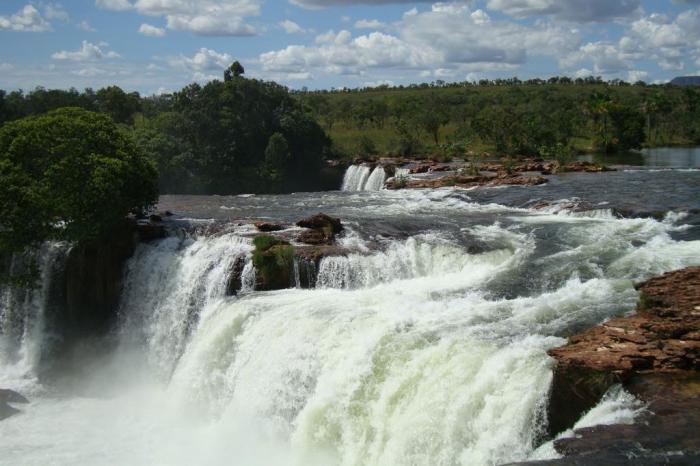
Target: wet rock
x=662 y=336
x=7 y=397
x=268 y=227
x=7 y=411
x=322 y=229
x=155 y=218
x=150 y=231
x=665 y=434
x=588 y=167
x=313 y=237
x=274 y=263
x=654 y=354
x=11 y=396
x=235 y=282
x=462 y=181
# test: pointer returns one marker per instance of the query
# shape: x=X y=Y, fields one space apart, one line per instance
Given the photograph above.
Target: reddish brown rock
x=268 y=227
x=661 y=338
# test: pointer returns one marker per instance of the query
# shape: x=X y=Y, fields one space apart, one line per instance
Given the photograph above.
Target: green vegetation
x=69 y=175
x=558 y=117
x=274 y=262
x=226 y=137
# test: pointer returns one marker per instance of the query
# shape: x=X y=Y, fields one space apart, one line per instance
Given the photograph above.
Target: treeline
x=229 y=136
x=555 y=117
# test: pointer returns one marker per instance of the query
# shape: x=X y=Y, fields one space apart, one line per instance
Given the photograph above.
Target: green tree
x=234 y=71
x=118 y=104
x=277 y=157
x=69 y=175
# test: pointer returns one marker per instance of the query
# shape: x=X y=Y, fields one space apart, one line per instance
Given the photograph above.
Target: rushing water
x=426 y=345
x=363 y=178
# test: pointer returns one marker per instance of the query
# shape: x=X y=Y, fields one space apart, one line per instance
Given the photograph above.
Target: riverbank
x=654 y=355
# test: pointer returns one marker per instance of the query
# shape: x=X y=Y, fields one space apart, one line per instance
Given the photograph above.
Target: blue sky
x=154 y=46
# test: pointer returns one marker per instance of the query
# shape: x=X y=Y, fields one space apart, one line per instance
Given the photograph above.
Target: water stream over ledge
x=426 y=345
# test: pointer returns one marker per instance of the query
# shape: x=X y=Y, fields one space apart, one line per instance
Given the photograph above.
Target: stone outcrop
x=7 y=399
x=663 y=336
x=321 y=229
x=654 y=354
x=267 y=227
x=462 y=181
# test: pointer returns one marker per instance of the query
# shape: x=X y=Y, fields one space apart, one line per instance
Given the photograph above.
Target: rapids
x=424 y=346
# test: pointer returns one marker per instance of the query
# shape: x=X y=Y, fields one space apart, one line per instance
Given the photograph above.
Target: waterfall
x=425 y=349
x=23 y=313
x=171 y=284
x=362 y=178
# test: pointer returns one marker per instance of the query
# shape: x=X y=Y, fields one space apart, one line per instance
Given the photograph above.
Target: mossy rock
x=274 y=263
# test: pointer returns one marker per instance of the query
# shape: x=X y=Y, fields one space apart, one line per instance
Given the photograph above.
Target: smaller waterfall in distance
x=363 y=178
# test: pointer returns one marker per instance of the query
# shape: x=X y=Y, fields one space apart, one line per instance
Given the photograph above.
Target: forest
x=241 y=135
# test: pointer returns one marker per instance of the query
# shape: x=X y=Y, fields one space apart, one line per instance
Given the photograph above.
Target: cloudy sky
x=160 y=45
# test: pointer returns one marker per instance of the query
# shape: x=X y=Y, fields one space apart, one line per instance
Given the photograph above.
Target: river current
x=426 y=345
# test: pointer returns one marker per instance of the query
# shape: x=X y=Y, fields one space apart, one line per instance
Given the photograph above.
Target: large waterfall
x=364 y=178
x=428 y=347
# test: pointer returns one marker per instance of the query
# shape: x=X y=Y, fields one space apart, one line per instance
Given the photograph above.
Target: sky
x=158 y=46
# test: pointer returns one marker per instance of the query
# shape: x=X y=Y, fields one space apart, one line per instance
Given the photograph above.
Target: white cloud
x=449 y=38
x=203 y=63
x=152 y=31
x=290 y=27
x=85 y=26
x=6 y=67
x=89 y=72
x=369 y=24
x=87 y=52
x=28 y=19
x=203 y=17
x=569 y=10
x=637 y=75
x=56 y=11
x=114 y=5
x=316 y=4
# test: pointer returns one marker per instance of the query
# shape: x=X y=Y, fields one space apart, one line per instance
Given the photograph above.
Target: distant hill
x=686 y=81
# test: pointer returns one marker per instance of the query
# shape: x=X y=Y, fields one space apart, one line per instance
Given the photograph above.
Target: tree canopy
x=70 y=174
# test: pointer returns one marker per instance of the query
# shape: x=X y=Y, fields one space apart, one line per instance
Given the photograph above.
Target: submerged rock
x=11 y=396
x=267 y=227
x=7 y=397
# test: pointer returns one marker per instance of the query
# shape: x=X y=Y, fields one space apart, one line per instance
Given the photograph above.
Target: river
x=424 y=346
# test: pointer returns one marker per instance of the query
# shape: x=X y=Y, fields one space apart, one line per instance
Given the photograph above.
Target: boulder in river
x=322 y=229
x=8 y=397
x=654 y=354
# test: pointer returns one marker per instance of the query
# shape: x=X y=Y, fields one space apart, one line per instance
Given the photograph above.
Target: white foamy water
x=424 y=350
x=363 y=178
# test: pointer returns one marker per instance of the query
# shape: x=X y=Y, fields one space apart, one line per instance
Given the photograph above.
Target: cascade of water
x=171 y=284
x=23 y=313
x=376 y=180
x=362 y=178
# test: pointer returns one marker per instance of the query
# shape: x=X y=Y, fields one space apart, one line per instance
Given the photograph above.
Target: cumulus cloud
x=151 y=31
x=87 y=52
x=114 y=5
x=369 y=24
x=203 y=63
x=447 y=38
x=203 y=17
x=56 y=11
x=290 y=27
x=326 y=3
x=569 y=10
x=657 y=37
x=85 y=26
x=28 y=19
